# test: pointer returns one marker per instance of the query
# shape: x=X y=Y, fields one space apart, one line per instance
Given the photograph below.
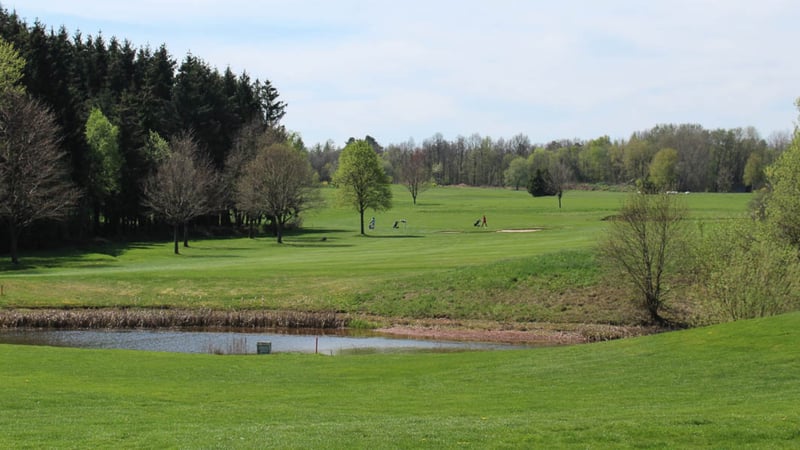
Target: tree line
x=734 y=269
x=111 y=103
x=684 y=157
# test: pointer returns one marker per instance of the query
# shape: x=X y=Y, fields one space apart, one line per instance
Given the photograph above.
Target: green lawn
x=436 y=264
x=728 y=386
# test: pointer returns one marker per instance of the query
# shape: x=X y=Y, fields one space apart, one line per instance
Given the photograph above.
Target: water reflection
x=232 y=342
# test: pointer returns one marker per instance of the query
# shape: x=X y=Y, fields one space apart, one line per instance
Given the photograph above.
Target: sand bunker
x=522 y=230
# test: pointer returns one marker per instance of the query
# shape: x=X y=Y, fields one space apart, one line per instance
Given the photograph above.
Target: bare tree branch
x=34 y=182
x=184 y=186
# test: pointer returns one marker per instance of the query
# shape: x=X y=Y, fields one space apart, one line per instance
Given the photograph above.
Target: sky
x=407 y=70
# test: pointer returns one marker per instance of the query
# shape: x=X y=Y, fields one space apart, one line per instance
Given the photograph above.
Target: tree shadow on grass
x=96 y=254
x=101 y=253
x=393 y=236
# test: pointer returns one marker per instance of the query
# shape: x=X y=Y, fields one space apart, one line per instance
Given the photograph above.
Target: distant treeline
x=688 y=156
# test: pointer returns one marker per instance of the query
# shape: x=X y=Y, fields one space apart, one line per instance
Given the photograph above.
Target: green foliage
x=361 y=180
x=105 y=160
x=11 y=68
x=517 y=173
x=783 y=205
x=594 y=160
x=754 y=175
x=156 y=148
x=664 y=169
x=743 y=272
x=727 y=386
x=646 y=186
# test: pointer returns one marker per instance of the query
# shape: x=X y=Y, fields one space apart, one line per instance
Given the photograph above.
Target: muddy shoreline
x=438 y=329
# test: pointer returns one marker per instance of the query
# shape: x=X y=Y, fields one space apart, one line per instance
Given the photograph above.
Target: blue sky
x=400 y=70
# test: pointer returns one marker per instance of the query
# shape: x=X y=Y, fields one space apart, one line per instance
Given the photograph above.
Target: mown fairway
x=436 y=264
x=728 y=386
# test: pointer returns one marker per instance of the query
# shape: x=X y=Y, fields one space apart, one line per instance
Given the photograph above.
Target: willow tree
x=361 y=180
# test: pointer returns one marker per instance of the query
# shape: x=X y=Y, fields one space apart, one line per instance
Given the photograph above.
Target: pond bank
x=530 y=333
x=438 y=329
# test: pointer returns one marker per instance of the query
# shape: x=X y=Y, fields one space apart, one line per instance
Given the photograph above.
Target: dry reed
x=167 y=318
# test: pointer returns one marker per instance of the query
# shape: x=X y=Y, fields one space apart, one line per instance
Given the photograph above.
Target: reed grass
x=168 y=318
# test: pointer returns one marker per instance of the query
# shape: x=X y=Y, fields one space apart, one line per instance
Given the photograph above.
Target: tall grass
x=168 y=318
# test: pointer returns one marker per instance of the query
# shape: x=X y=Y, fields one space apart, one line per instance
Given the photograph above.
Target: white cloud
x=576 y=68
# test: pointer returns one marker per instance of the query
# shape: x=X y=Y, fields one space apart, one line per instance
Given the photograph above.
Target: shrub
x=743 y=273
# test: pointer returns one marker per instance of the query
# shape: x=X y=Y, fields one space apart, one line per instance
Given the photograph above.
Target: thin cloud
x=551 y=70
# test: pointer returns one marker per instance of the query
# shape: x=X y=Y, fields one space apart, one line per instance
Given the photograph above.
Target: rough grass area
x=436 y=266
x=729 y=386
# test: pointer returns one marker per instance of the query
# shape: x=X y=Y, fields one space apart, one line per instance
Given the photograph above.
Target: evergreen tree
x=540 y=184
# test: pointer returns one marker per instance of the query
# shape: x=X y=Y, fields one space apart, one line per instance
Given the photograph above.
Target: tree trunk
x=361 y=213
x=278 y=231
x=96 y=218
x=559 y=198
x=175 y=236
x=14 y=235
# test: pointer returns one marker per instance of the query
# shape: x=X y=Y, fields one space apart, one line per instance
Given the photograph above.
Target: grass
x=436 y=265
x=728 y=386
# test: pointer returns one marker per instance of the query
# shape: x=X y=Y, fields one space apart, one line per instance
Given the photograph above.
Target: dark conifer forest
x=142 y=91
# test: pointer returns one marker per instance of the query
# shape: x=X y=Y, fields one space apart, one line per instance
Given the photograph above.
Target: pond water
x=234 y=342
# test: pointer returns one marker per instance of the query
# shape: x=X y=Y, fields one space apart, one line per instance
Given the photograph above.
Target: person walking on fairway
x=483 y=221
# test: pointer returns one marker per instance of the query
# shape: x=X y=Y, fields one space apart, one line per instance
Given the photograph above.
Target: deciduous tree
x=105 y=161
x=664 y=169
x=184 y=185
x=643 y=242
x=361 y=181
x=560 y=175
x=415 y=174
x=517 y=173
x=278 y=182
x=744 y=272
x=34 y=180
x=11 y=67
x=783 y=204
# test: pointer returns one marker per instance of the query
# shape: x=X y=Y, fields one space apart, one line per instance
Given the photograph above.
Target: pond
x=230 y=342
